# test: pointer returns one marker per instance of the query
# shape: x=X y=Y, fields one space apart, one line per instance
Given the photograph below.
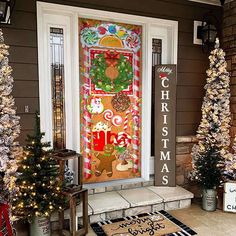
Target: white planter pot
x=209 y=199
x=40 y=226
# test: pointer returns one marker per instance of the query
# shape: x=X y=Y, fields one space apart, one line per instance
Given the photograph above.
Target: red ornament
x=102 y=30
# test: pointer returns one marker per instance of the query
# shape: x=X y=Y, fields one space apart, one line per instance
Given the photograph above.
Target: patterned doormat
x=156 y=223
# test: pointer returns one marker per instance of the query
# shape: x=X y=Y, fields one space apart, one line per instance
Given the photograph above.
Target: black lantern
x=222 y=2
x=208 y=31
x=6 y=7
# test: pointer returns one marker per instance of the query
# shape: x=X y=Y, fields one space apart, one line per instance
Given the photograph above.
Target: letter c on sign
x=163 y=83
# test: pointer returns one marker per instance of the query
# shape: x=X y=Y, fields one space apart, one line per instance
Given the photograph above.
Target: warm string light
x=213 y=131
x=40 y=189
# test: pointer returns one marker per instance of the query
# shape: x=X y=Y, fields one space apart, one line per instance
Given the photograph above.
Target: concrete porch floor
x=216 y=223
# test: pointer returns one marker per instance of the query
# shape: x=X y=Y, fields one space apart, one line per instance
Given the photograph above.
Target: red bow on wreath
x=4 y=219
x=111 y=58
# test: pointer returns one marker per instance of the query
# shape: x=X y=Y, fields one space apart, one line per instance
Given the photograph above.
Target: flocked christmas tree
x=229 y=172
x=213 y=132
x=39 y=185
x=9 y=128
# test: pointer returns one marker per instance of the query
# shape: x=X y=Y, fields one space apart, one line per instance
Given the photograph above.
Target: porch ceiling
x=211 y=2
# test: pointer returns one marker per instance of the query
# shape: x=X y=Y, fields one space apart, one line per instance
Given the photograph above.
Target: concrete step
x=127 y=202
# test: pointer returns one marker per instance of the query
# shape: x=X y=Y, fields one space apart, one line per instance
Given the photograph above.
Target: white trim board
x=67 y=17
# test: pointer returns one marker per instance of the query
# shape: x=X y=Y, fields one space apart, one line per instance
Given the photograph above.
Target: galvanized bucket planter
x=209 y=199
x=40 y=226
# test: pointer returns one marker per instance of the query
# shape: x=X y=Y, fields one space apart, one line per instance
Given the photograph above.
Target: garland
x=111 y=72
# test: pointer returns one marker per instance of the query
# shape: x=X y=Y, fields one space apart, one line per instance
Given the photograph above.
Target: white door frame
x=66 y=17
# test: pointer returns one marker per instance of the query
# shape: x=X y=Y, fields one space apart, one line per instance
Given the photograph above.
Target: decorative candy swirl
x=132 y=41
x=89 y=36
x=122 y=139
x=108 y=114
x=117 y=120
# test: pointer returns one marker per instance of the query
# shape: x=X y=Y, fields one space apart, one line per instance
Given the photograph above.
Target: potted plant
x=207 y=173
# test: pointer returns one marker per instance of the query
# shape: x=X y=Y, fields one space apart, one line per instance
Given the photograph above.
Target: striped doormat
x=147 y=224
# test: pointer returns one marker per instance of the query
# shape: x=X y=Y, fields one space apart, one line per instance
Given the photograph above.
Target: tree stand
x=72 y=193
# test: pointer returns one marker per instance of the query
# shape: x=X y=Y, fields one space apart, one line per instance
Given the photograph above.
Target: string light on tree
x=213 y=132
x=9 y=148
x=39 y=184
x=9 y=128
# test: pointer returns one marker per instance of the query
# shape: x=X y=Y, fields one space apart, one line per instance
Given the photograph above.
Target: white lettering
x=165 y=142
x=163 y=82
x=165 y=120
x=164 y=107
x=165 y=94
x=165 y=156
x=164 y=131
x=165 y=70
x=165 y=168
x=165 y=180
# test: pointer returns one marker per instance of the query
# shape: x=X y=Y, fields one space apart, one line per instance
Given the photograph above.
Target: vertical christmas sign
x=165 y=113
x=111 y=89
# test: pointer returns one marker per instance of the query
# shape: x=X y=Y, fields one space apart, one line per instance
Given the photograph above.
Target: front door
x=111 y=99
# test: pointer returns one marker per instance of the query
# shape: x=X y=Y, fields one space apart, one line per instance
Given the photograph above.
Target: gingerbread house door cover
x=110 y=99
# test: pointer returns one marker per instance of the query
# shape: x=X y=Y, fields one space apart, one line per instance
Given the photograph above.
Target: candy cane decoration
x=86 y=117
x=126 y=120
x=135 y=111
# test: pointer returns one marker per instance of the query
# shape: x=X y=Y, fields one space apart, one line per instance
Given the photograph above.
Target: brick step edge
x=122 y=186
x=173 y=205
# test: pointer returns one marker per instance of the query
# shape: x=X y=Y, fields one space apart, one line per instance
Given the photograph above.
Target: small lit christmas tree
x=207 y=171
x=213 y=131
x=39 y=185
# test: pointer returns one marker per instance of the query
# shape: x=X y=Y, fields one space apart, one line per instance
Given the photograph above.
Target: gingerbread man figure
x=106 y=160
